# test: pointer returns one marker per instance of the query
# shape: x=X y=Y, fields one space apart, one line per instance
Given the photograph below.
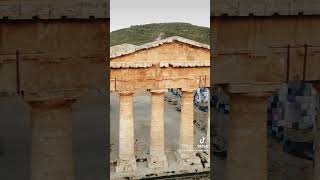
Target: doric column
x=127 y=161
x=51 y=125
x=247 y=143
x=186 y=153
x=157 y=157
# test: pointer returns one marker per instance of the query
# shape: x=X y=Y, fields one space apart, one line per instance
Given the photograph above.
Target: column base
x=126 y=166
x=157 y=161
x=188 y=159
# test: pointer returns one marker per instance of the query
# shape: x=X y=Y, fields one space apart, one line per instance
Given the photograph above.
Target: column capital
x=51 y=103
x=252 y=88
x=187 y=94
x=157 y=91
x=187 y=90
x=254 y=94
x=125 y=93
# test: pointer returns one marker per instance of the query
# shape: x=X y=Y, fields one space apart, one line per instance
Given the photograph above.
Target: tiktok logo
x=202 y=145
x=202 y=140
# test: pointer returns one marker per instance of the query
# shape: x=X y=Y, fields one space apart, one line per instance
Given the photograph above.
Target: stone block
x=77 y=9
x=264 y=7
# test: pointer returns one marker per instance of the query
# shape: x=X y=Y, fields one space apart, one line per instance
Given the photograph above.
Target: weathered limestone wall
x=55 y=55
x=80 y=9
x=246 y=47
x=158 y=78
x=263 y=7
x=152 y=76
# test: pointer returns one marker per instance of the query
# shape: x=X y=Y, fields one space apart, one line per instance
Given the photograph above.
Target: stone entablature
x=147 y=64
x=47 y=69
x=142 y=64
x=204 y=63
x=76 y=9
x=264 y=7
x=257 y=50
x=133 y=79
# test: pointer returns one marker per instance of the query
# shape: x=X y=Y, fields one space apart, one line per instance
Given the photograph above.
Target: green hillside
x=141 y=34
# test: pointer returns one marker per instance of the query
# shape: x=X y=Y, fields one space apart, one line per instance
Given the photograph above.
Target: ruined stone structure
x=257 y=46
x=50 y=53
x=174 y=62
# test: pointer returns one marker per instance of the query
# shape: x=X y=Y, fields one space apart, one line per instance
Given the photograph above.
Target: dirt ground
x=284 y=166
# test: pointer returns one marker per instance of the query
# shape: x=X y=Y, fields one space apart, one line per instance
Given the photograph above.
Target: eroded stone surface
x=247 y=138
x=157 y=157
x=264 y=8
x=186 y=154
x=167 y=64
x=256 y=51
x=79 y=9
x=51 y=140
x=127 y=161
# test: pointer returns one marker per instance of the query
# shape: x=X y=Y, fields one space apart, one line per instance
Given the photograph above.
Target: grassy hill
x=141 y=34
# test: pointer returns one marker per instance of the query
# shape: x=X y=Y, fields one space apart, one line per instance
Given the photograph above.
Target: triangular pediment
x=127 y=49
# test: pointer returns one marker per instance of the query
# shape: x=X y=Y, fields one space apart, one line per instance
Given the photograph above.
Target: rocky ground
x=284 y=166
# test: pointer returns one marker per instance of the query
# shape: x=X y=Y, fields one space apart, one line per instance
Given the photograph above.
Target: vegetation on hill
x=141 y=34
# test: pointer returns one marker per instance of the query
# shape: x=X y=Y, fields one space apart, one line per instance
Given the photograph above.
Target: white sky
x=125 y=13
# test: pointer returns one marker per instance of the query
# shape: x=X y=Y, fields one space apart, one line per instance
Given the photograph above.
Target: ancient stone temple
x=173 y=62
x=50 y=53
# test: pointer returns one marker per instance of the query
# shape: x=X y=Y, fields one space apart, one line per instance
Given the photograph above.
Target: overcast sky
x=124 y=13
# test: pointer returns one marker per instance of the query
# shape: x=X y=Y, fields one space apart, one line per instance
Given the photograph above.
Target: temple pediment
x=169 y=63
x=165 y=51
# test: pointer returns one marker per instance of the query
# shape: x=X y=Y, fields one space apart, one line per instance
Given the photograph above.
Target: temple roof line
x=125 y=49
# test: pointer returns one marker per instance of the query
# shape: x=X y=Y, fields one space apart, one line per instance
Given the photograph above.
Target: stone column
x=247 y=139
x=127 y=161
x=157 y=157
x=51 y=125
x=186 y=154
